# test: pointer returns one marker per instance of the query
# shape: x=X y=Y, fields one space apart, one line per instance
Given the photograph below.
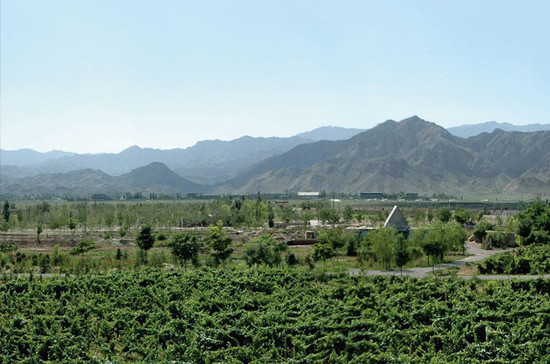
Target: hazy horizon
x=228 y=140
x=89 y=77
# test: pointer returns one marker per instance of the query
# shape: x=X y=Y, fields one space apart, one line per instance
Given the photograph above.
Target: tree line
x=123 y=217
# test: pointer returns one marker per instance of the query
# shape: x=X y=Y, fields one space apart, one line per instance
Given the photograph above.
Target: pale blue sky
x=90 y=76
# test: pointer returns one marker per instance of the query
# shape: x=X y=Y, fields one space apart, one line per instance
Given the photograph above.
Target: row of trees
x=390 y=248
x=264 y=250
x=122 y=217
x=186 y=248
x=440 y=239
x=386 y=246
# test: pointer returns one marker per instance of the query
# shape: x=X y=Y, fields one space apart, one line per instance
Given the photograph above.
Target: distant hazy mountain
x=465 y=131
x=15 y=172
x=412 y=155
x=207 y=161
x=82 y=182
x=155 y=177
x=24 y=157
x=214 y=161
x=330 y=133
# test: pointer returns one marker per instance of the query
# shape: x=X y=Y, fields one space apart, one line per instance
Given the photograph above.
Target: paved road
x=476 y=254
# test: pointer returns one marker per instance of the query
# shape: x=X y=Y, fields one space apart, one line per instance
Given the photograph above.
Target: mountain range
x=155 y=177
x=209 y=161
x=466 y=131
x=412 y=155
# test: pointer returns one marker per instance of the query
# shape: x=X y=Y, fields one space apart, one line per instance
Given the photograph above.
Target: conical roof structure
x=397 y=221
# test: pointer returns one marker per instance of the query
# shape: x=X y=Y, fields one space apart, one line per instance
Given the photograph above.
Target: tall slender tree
x=185 y=248
x=402 y=253
x=220 y=243
x=145 y=239
x=6 y=211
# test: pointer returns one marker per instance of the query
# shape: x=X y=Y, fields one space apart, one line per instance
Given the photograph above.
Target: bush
x=334 y=237
x=157 y=258
x=534 y=223
x=264 y=250
x=533 y=259
x=82 y=248
x=57 y=258
x=495 y=240
x=309 y=262
x=185 y=248
x=291 y=259
x=7 y=246
x=480 y=231
x=140 y=258
x=118 y=255
x=353 y=243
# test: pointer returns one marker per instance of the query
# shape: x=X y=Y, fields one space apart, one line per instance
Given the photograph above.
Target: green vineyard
x=271 y=315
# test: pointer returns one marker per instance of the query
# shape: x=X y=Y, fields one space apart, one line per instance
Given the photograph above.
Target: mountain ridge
x=469 y=130
x=410 y=155
x=154 y=177
x=208 y=161
x=413 y=155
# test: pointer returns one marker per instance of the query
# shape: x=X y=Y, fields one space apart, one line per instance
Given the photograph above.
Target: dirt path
x=476 y=254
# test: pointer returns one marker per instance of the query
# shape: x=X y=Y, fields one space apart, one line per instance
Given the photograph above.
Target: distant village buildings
x=372 y=195
x=408 y=196
x=304 y=194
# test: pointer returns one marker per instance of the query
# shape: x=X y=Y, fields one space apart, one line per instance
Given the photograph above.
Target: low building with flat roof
x=308 y=194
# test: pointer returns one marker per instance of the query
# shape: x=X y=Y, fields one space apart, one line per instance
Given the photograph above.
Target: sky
x=92 y=76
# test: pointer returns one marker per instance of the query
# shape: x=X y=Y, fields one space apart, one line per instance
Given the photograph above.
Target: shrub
x=533 y=259
x=7 y=246
x=264 y=250
x=291 y=259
